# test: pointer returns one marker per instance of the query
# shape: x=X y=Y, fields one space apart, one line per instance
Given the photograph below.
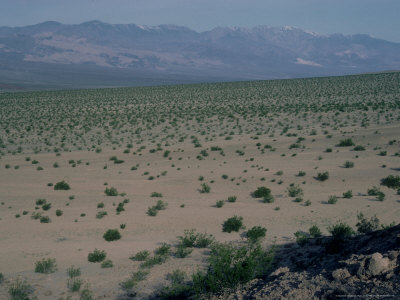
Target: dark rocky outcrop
x=365 y=267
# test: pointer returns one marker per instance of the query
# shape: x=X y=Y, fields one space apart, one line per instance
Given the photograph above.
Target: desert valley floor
x=188 y=147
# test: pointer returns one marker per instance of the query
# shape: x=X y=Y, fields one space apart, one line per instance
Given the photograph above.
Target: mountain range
x=97 y=54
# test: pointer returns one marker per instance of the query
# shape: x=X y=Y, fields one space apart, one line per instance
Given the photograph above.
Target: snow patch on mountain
x=301 y=61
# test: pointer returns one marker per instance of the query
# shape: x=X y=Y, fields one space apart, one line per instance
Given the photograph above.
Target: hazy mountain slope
x=171 y=53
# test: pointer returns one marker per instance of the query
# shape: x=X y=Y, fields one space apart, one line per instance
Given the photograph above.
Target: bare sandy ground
x=70 y=237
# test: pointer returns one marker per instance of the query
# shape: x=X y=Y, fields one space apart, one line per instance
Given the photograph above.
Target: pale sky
x=380 y=18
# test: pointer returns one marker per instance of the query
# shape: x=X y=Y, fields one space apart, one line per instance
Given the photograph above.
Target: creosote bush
x=365 y=226
x=232 y=199
x=348 y=164
x=391 y=181
x=193 y=239
x=322 y=176
x=46 y=266
x=111 y=191
x=62 y=185
x=112 y=235
x=348 y=194
x=205 y=188
x=130 y=284
x=256 y=234
x=231 y=265
x=295 y=190
x=140 y=256
x=341 y=231
x=314 y=231
x=73 y=272
x=346 y=143
x=19 y=290
x=219 y=203
x=97 y=256
x=234 y=223
x=332 y=200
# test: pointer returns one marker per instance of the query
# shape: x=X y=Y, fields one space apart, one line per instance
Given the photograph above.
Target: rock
x=393 y=254
x=280 y=271
x=377 y=264
x=340 y=274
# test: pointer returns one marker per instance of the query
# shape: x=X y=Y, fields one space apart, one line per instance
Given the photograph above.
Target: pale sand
x=23 y=241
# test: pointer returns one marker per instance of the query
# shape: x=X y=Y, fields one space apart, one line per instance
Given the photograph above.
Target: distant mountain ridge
x=177 y=53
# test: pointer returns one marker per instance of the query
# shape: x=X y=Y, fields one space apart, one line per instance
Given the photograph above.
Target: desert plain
x=321 y=145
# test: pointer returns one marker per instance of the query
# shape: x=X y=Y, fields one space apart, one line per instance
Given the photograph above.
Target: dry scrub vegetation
x=184 y=190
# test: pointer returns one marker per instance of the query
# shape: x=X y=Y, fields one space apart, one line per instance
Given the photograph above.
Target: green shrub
x=381 y=196
x=230 y=266
x=234 y=223
x=261 y=192
x=301 y=174
x=62 y=185
x=86 y=294
x=152 y=211
x=301 y=237
x=332 y=200
x=46 y=206
x=177 y=288
x=391 y=181
x=256 y=234
x=193 y=239
x=129 y=284
x=154 y=260
x=205 y=188
x=36 y=215
x=19 y=290
x=40 y=202
x=97 y=256
x=219 y=203
x=45 y=219
x=374 y=191
x=182 y=252
x=268 y=199
x=59 y=212
x=120 y=207
x=112 y=235
x=107 y=264
x=314 y=231
x=188 y=239
x=365 y=226
x=1 y=278
x=322 y=176
x=74 y=284
x=348 y=164
x=232 y=199
x=155 y=194
x=73 y=272
x=348 y=194
x=161 y=205
x=346 y=143
x=295 y=190
x=46 y=266
x=359 y=148
x=163 y=250
x=341 y=231
x=111 y=191
x=140 y=256
x=101 y=214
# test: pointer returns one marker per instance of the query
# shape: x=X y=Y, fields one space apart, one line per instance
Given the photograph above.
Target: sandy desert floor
x=244 y=165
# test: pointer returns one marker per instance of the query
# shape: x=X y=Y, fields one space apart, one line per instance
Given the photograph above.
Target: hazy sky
x=380 y=18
